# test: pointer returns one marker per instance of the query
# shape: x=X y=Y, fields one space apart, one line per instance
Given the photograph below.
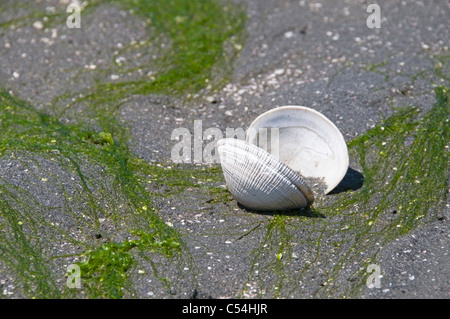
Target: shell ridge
x=256 y=179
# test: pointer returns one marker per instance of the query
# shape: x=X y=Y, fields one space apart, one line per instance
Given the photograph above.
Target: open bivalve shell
x=259 y=181
x=306 y=141
x=285 y=149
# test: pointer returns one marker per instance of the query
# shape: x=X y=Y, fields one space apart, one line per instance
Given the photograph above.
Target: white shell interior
x=259 y=181
x=303 y=139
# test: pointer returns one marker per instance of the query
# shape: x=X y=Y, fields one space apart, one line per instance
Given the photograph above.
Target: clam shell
x=308 y=142
x=259 y=181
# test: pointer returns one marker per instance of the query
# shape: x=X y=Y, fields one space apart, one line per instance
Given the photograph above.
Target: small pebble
x=288 y=34
x=211 y=99
x=279 y=71
x=38 y=25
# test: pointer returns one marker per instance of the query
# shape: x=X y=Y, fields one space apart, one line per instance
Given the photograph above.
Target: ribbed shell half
x=258 y=181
